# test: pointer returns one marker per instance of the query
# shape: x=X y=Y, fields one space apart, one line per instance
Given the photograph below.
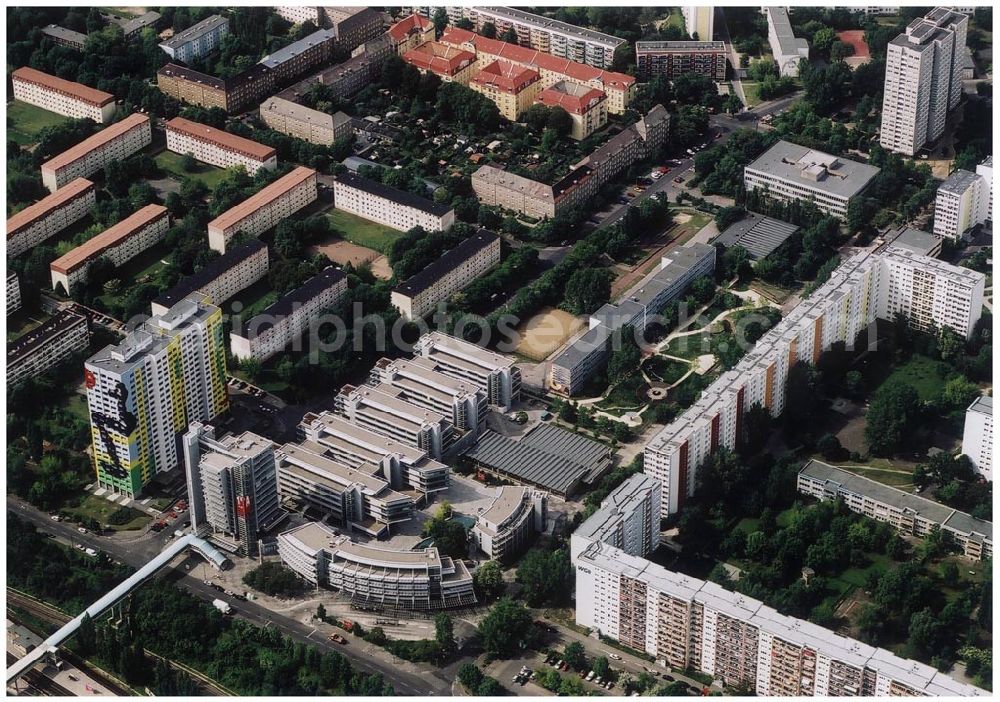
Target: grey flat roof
x=553 y=25
x=814 y=169
x=25 y=345
x=54 y=30
x=616 y=505
x=641 y=46
x=758 y=234
x=917 y=241
x=982 y=404
x=547 y=456
x=292 y=50
x=193 y=32
x=928 y=509
x=958 y=182
x=787 y=41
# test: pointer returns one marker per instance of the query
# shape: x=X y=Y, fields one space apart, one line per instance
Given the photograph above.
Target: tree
x=677 y=688
x=510 y=36
x=626 y=357
x=321 y=612
x=470 y=676
x=507 y=629
x=829 y=445
x=86 y=636
x=440 y=21
x=924 y=633
x=894 y=409
x=489 y=30
x=444 y=635
x=601 y=667
x=575 y=655
x=189 y=163
x=728 y=216
x=586 y=290
x=488 y=578
x=559 y=121
x=547 y=576
x=273 y=578
x=823 y=40
x=537 y=117
x=959 y=393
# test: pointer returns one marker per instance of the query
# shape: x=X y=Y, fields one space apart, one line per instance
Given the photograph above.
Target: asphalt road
x=136 y=553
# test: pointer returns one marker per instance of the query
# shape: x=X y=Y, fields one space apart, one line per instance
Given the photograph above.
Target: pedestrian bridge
x=51 y=644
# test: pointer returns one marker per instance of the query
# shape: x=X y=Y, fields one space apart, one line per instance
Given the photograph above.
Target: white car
x=615 y=656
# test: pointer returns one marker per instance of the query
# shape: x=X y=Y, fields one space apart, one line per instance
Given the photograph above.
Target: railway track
x=47 y=612
x=40 y=683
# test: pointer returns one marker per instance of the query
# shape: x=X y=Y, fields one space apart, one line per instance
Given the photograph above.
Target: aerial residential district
x=491 y=351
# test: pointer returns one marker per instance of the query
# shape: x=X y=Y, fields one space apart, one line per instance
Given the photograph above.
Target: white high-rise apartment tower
x=923 y=80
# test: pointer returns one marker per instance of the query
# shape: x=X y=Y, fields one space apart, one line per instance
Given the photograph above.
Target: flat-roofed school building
x=218 y=147
x=119 y=243
x=111 y=144
x=64 y=97
x=49 y=216
x=264 y=209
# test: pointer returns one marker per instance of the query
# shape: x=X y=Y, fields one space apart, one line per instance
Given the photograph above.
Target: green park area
x=108 y=514
x=363 y=232
x=926 y=375
x=25 y=121
x=174 y=165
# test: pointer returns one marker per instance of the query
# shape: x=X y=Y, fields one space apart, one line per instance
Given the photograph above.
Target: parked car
x=615 y=656
x=337 y=638
x=678 y=179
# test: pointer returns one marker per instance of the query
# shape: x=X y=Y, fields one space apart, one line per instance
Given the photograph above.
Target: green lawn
x=894 y=478
x=926 y=375
x=98 y=508
x=77 y=404
x=363 y=232
x=752 y=91
x=857 y=577
x=171 y=163
x=24 y=121
x=666 y=370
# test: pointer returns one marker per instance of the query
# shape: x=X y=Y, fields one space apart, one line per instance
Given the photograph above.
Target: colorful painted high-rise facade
x=145 y=390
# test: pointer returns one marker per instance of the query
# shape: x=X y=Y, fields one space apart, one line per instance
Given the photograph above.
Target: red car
x=337 y=638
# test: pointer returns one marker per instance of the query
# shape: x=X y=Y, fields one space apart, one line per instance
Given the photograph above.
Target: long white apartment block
x=390 y=206
x=197 y=40
x=923 y=80
x=788 y=49
x=383 y=410
x=963 y=200
x=64 y=97
x=506 y=528
x=111 y=144
x=376 y=576
x=865 y=287
x=218 y=147
x=977 y=436
x=49 y=216
x=930 y=292
x=232 y=486
x=264 y=209
x=686 y=623
x=788 y=171
x=420 y=383
x=909 y=514
x=403 y=465
x=289 y=318
x=629 y=519
x=453 y=270
x=551 y=36
x=221 y=278
x=119 y=244
x=495 y=373
x=45 y=346
x=356 y=497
